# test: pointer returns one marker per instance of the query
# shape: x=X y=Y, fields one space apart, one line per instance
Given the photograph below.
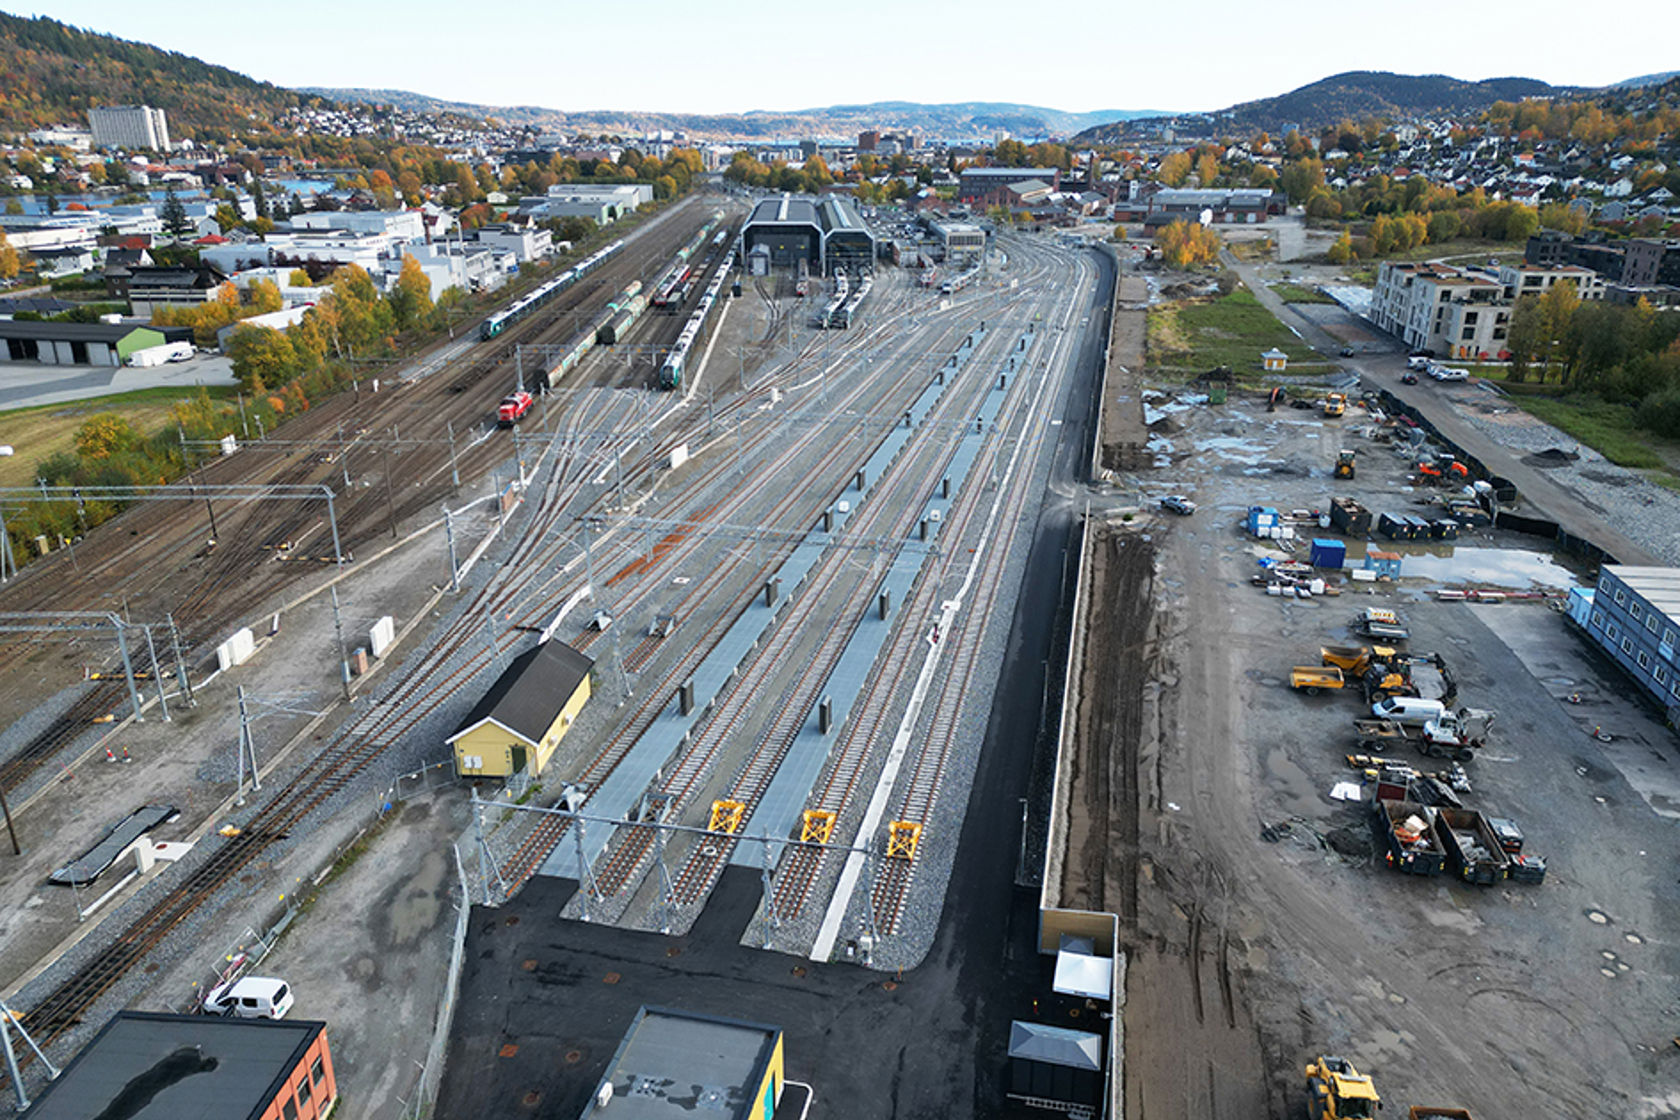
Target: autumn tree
x=103 y=435
x=1342 y=251
x=1207 y=169
x=9 y=262
x=411 y=296
x=1174 y=169
x=1187 y=243
x=263 y=358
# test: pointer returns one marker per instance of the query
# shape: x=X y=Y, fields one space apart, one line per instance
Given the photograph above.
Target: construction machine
x=1337 y=1091
x=1335 y=404
x=1344 y=464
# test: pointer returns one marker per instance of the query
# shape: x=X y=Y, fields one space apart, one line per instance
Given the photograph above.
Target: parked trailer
x=1473 y=851
x=161 y=355
x=1456 y=735
x=1409 y=836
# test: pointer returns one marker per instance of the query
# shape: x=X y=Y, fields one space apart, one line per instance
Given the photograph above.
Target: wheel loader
x=1337 y=1091
x=1344 y=464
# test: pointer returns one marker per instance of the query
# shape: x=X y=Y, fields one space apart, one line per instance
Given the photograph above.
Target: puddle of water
x=1515 y=568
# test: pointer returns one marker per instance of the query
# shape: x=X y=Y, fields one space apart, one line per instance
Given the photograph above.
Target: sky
x=697 y=57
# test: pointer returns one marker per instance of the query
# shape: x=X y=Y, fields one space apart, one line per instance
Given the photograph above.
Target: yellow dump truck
x=1311 y=679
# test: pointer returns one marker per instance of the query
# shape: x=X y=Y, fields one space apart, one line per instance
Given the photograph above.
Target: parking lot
x=1512 y=1000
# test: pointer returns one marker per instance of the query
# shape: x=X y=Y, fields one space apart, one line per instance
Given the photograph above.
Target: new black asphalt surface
x=544 y=1003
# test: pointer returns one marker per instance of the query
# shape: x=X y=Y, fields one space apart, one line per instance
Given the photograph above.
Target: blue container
x=1328 y=553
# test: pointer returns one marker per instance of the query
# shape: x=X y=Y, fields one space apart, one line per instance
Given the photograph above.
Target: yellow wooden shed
x=519 y=723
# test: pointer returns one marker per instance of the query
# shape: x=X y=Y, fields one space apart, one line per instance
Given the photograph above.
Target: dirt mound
x=1551 y=457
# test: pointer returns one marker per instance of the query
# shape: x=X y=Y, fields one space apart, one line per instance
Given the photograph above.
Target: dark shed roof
x=527 y=697
x=145 y=1066
x=86 y=332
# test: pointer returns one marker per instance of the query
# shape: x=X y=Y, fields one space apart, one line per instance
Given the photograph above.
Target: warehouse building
x=672 y=1063
x=147 y=1066
x=519 y=723
x=824 y=234
x=83 y=344
x=1634 y=615
x=985 y=186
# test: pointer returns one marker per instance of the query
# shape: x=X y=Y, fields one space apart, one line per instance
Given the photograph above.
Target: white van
x=254 y=997
x=1409 y=710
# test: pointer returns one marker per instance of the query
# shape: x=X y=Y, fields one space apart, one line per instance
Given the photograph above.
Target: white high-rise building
x=129 y=126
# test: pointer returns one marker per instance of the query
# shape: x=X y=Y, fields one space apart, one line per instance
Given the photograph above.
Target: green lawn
x=1233 y=330
x=37 y=433
x=1603 y=426
x=1294 y=293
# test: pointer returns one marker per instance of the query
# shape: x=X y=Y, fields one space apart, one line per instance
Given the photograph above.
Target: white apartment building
x=1451 y=312
x=129 y=126
x=1536 y=280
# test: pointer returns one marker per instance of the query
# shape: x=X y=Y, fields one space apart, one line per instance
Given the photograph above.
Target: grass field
x=1230 y=331
x=1294 y=293
x=1603 y=426
x=37 y=433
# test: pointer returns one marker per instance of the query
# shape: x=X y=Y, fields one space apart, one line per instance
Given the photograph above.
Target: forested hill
x=1356 y=95
x=50 y=73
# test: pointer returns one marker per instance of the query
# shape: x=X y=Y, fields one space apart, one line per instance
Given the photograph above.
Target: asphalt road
x=544 y=1003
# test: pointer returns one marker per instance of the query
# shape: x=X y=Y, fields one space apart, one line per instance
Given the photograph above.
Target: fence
x=431 y=1071
x=1504 y=490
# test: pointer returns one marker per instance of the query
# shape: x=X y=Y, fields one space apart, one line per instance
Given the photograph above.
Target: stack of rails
x=671 y=372
x=523 y=306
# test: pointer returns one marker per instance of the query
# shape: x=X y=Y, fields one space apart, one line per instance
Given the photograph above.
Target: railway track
x=247 y=566
x=889 y=514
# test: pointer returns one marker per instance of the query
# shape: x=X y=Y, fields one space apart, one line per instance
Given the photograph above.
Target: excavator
x=1344 y=464
x=1337 y=1091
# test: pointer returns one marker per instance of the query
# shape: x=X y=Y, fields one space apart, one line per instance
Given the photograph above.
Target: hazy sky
x=689 y=56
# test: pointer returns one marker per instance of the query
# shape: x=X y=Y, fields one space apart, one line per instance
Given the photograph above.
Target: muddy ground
x=1248 y=957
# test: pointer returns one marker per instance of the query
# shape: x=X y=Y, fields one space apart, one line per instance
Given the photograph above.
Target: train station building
x=826 y=233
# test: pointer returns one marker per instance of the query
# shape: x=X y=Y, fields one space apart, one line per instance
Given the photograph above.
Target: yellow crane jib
x=727 y=816
x=902 y=838
x=818 y=826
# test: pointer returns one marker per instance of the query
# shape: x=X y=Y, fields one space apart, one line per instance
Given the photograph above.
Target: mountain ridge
x=1355 y=94
x=52 y=72
x=945 y=118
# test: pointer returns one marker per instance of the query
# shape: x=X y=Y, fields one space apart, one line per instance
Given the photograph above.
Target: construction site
x=1318 y=907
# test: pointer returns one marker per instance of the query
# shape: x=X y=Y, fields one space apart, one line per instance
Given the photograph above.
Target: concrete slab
x=32 y=384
